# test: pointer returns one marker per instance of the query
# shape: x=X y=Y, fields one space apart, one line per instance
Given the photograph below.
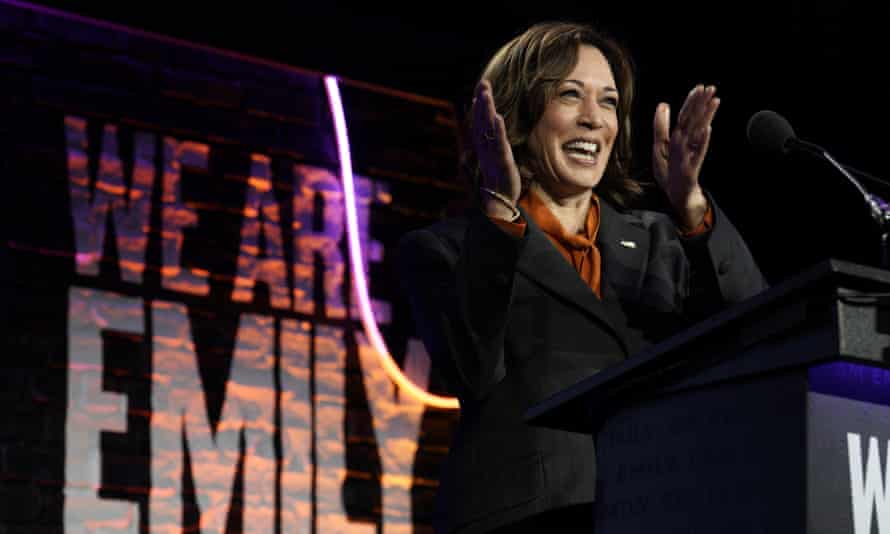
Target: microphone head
x=769 y=132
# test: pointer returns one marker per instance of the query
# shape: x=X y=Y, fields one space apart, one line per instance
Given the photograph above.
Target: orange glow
x=260 y=184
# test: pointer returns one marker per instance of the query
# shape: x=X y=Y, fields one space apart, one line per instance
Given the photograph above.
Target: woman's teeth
x=582 y=150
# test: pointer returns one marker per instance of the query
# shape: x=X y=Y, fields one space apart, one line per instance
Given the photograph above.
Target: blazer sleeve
x=460 y=291
x=721 y=268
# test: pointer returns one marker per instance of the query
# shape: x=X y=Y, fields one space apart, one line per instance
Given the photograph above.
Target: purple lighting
x=355 y=259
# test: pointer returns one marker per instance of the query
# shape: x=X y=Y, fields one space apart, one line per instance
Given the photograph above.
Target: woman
x=552 y=278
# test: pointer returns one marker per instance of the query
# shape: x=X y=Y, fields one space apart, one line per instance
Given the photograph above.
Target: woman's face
x=573 y=139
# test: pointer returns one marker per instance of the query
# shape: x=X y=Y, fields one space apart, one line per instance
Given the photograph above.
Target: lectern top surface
x=568 y=408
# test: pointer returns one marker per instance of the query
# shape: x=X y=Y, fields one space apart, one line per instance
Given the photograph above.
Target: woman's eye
x=570 y=93
x=611 y=101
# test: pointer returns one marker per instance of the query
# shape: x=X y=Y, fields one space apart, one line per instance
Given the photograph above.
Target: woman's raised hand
x=499 y=172
x=677 y=155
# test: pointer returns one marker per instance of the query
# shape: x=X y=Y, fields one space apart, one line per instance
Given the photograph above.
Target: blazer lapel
x=624 y=250
x=541 y=262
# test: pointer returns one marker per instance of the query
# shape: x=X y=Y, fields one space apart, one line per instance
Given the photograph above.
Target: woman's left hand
x=677 y=155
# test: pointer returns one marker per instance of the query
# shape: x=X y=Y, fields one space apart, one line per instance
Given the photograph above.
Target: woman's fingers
x=503 y=142
x=699 y=133
x=703 y=112
x=661 y=127
x=708 y=115
x=492 y=144
x=698 y=107
x=481 y=121
x=484 y=115
x=694 y=123
x=491 y=114
x=483 y=132
x=688 y=104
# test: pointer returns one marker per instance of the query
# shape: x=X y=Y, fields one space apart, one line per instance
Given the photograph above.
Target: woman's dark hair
x=524 y=75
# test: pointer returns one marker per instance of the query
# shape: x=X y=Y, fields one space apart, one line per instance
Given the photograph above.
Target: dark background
x=817 y=63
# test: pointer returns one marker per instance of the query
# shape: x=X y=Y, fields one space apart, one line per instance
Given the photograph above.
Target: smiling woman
x=553 y=276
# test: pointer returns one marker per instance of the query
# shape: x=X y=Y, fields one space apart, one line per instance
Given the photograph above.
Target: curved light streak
x=355 y=259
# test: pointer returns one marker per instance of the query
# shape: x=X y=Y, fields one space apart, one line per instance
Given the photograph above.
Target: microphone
x=771 y=133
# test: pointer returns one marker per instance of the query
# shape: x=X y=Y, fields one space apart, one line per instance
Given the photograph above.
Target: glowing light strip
x=355 y=259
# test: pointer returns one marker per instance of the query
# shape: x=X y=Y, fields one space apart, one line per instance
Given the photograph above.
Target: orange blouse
x=579 y=249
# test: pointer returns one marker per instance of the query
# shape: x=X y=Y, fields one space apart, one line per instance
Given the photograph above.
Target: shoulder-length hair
x=524 y=76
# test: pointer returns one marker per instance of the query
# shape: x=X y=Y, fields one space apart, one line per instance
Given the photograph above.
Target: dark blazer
x=509 y=322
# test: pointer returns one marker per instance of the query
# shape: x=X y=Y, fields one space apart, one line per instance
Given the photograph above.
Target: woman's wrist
x=691 y=209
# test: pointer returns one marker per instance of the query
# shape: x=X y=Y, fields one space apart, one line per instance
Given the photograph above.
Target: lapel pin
x=628 y=244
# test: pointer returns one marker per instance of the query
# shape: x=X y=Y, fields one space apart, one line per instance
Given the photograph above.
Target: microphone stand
x=877 y=207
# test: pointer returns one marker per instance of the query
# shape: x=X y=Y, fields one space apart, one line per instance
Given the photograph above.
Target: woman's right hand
x=498 y=168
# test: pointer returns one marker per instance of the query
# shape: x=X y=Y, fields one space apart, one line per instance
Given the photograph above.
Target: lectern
x=770 y=417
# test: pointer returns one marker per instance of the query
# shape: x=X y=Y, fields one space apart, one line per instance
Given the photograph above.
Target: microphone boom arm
x=877 y=207
x=770 y=132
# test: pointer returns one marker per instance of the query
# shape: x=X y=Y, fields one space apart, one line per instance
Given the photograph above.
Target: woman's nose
x=590 y=117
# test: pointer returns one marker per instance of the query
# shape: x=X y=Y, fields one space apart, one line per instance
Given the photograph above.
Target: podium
x=770 y=417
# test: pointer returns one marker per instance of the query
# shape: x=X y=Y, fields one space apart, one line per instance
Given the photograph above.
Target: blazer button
x=723 y=268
